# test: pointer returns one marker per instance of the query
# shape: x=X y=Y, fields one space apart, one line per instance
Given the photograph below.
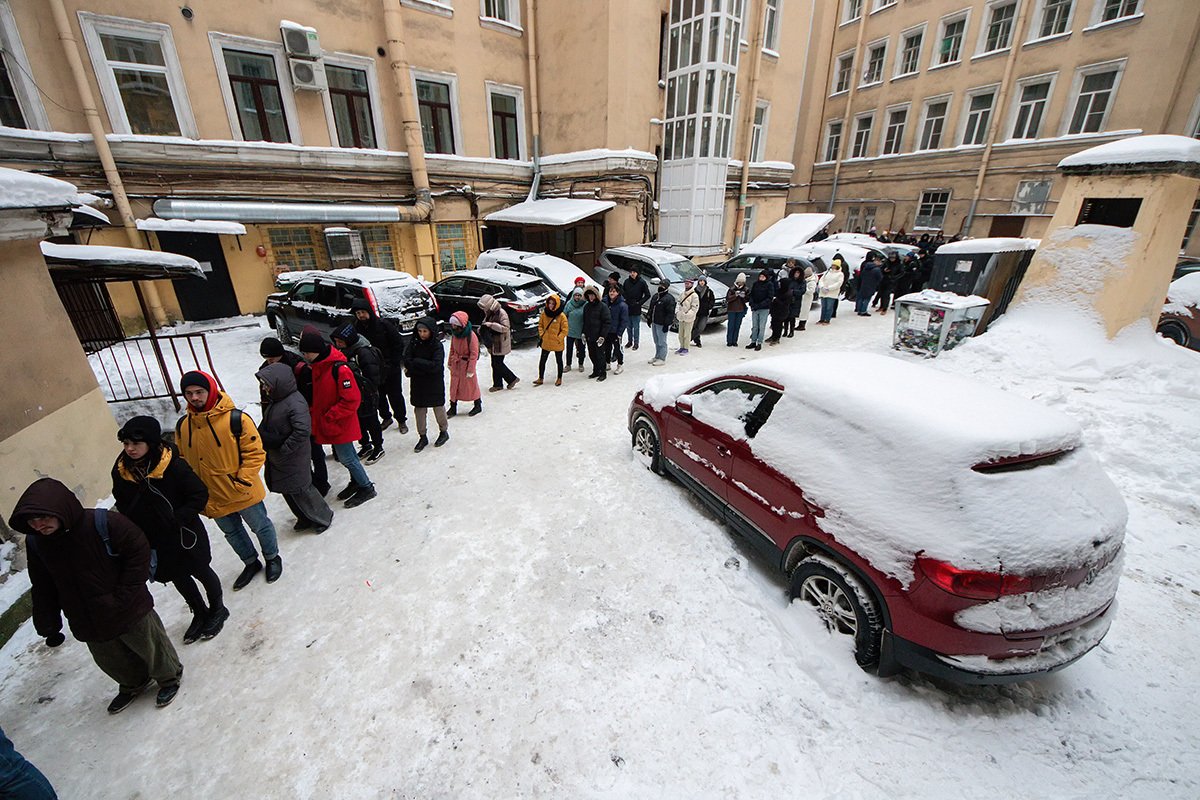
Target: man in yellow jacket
x=222 y=445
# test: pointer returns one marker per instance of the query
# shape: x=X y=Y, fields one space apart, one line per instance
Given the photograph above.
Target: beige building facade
x=951 y=115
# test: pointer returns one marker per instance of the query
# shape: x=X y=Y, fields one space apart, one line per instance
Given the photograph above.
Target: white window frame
x=905 y=35
x=455 y=108
x=442 y=8
x=518 y=94
x=918 y=141
x=950 y=19
x=882 y=5
x=965 y=113
x=1117 y=65
x=1015 y=109
x=499 y=23
x=866 y=147
x=988 y=11
x=1039 y=14
x=93 y=26
x=1193 y=125
x=920 y=201
x=748 y=224
x=758 y=133
x=866 y=63
x=834 y=91
x=771 y=42
x=366 y=64
x=846 y=19
x=887 y=124
x=824 y=159
x=1098 y=12
x=219 y=42
x=28 y=96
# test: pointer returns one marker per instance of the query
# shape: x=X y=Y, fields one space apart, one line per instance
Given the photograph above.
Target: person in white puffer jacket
x=828 y=289
x=685 y=313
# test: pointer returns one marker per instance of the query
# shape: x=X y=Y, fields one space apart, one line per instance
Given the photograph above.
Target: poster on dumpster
x=918 y=319
x=963 y=266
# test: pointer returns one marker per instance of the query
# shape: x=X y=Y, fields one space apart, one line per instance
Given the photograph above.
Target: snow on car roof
x=994 y=244
x=506 y=276
x=655 y=254
x=562 y=272
x=367 y=274
x=1183 y=295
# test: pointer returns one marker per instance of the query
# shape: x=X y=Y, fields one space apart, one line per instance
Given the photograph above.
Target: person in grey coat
x=285 y=429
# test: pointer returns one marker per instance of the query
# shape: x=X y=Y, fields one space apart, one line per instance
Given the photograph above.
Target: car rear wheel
x=646 y=446
x=843 y=604
x=1175 y=332
x=281 y=331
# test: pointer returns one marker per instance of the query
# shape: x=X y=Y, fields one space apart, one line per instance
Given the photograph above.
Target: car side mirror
x=684 y=406
x=655 y=281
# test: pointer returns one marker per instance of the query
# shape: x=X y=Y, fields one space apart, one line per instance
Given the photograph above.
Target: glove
x=600 y=342
x=55 y=639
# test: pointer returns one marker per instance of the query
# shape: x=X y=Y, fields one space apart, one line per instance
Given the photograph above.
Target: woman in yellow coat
x=552 y=334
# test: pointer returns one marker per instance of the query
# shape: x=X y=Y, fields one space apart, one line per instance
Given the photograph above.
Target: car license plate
x=408 y=326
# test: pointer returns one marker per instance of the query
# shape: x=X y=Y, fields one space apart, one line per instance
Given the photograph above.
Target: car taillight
x=371 y=299
x=972 y=583
x=522 y=308
x=432 y=298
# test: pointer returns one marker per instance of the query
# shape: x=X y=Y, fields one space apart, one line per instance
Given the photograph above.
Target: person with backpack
x=334 y=412
x=286 y=429
x=91 y=565
x=385 y=334
x=596 y=322
x=222 y=445
x=271 y=349
x=660 y=315
x=423 y=362
x=157 y=490
x=636 y=292
x=366 y=362
x=574 y=311
x=498 y=341
x=619 y=320
x=464 y=365
x=552 y=338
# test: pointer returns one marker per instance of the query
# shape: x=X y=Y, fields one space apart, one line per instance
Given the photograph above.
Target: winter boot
x=538 y=381
x=558 y=381
x=348 y=492
x=274 y=569
x=422 y=443
x=364 y=450
x=800 y=325
x=123 y=699
x=165 y=695
x=443 y=437
x=199 y=618
x=215 y=622
x=476 y=409
x=386 y=423
x=403 y=426
x=248 y=573
x=453 y=410
x=363 y=495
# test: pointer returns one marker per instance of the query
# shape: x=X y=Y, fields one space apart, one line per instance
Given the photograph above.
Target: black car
x=521 y=295
x=323 y=299
x=753 y=263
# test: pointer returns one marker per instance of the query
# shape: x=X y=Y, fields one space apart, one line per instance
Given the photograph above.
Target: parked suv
x=655 y=264
x=323 y=299
x=521 y=295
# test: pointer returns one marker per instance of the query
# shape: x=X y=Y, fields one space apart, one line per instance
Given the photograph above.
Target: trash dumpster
x=929 y=322
x=991 y=268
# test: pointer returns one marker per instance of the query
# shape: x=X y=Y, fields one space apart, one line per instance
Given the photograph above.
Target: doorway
x=1007 y=225
x=202 y=299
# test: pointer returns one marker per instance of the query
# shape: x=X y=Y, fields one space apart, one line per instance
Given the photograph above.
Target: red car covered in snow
x=947 y=527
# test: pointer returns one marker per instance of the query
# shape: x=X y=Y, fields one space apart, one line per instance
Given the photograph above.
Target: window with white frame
x=868 y=218
x=748 y=225
x=21 y=104
x=139 y=75
x=1113 y=10
x=909 y=60
x=1093 y=98
x=852 y=219
x=842 y=73
x=436 y=103
x=931 y=212
x=851 y=10
x=997 y=34
x=893 y=136
x=1032 y=97
x=254 y=81
x=950 y=40
x=508 y=11
x=880 y=5
x=934 y=123
x=1054 y=17
x=771 y=25
x=979 y=115
x=506 y=117
x=862 y=135
x=833 y=140
x=758 y=131
x=876 y=56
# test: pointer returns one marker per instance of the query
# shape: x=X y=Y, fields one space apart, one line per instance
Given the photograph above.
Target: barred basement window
x=294 y=247
x=454 y=251
x=377 y=241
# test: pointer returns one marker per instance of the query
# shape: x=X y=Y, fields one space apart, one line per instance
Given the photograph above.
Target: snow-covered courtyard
x=528 y=612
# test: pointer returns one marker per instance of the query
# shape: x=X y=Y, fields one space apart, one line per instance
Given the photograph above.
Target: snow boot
x=214 y=623
x=513 y=382
x=362 y=495
x=558 y=381
x=274 y=569
x=348 y=492
x=123 y=699
x=199 y=617
x=443 y=437
x=386 y=423
x=476 y=409
x=422 y=443
x=403 y=426
x=538 y=382
x=620 y=368
x=453 y=410
x=248 y=573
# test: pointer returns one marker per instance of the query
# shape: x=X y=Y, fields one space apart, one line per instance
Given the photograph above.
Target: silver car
x=654 y=265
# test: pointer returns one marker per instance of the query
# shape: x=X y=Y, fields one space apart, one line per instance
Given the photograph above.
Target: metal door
x=202 y=299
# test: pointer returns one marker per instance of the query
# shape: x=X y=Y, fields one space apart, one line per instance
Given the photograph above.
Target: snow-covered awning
x=20 y=189
x=100 y=263
x=192 y=226
x=88 y=217
x=555 y=211
x=994 y=244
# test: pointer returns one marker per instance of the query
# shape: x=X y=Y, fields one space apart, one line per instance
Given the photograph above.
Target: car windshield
x=680 y=270
x=399 y=297
x=531 y=291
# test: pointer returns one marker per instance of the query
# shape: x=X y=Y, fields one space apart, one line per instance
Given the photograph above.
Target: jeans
x=349 y=458
x=256 y=517
x=860 y=304
x=734 y=327
x=828 y=306
x=501 y=374
x=758 y=324
x=635 y=328
x=659 y=333
x=19 y=779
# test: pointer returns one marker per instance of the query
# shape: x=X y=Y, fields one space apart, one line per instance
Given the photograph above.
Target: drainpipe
x=756 y=13
x=855 y=79
x=393 y=24
x=535 y=113
x=62 y=23
x=997 y=113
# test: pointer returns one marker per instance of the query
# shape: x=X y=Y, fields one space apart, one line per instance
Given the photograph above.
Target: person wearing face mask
x=159 y=492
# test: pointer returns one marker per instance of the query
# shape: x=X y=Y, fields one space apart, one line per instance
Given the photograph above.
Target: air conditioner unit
x=300 y=41
x=345 y=247
x=307 y=75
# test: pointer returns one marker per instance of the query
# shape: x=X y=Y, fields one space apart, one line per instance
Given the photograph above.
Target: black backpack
x=235 y=427
x=365 y=387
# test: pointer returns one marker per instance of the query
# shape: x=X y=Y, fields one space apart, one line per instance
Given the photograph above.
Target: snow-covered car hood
x=788 y=233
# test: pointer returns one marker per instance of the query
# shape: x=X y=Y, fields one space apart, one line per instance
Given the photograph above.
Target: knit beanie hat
x=270 y=348
x=740 y=279
x=141 y=429
x=204 y=381
x=346 y=333
x=311 y=340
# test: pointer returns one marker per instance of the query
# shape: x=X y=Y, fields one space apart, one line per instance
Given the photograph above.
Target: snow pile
x=26 y=190
x=944 y=299
x=1156 y=149
x=1183 y=296
x=1084 y=257
x=597 y=153
x=554 y=211
x=102 y=254
x=192 y=225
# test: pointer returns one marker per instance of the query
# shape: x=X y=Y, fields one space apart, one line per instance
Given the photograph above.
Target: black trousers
x=319 y=472
x=698 y=327
x=777 y=321
x=391 y=399
x=574 y=347
x=612 y=350
x=368 y=421
x=885 y=298
x=596 y=354
x=185 y=584
x=542 y=362
x=501 y=374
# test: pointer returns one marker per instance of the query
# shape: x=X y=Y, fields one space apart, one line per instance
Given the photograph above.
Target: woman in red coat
x=463 y=360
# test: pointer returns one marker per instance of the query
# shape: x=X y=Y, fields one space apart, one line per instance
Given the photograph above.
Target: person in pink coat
x=463 y=360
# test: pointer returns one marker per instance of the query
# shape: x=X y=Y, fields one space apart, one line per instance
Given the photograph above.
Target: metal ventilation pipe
x=393 y=24
x=279 y=213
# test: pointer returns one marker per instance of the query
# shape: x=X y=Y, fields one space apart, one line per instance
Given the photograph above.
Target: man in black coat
x=892 y=270
x=370 y=363
x=385 y=334
x=596 y=322
x=869 y=278
x=636 y=292
x=660 y=316
x=707 y=301
x=92 y=565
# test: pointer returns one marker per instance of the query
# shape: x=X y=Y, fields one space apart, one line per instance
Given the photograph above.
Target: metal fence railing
x=150 y=367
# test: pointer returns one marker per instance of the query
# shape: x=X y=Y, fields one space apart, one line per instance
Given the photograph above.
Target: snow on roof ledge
x=118 y=255
x=192 y=225
x=1161 y=149
x=27 y=190
x=994 y=244
x=554 y=211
